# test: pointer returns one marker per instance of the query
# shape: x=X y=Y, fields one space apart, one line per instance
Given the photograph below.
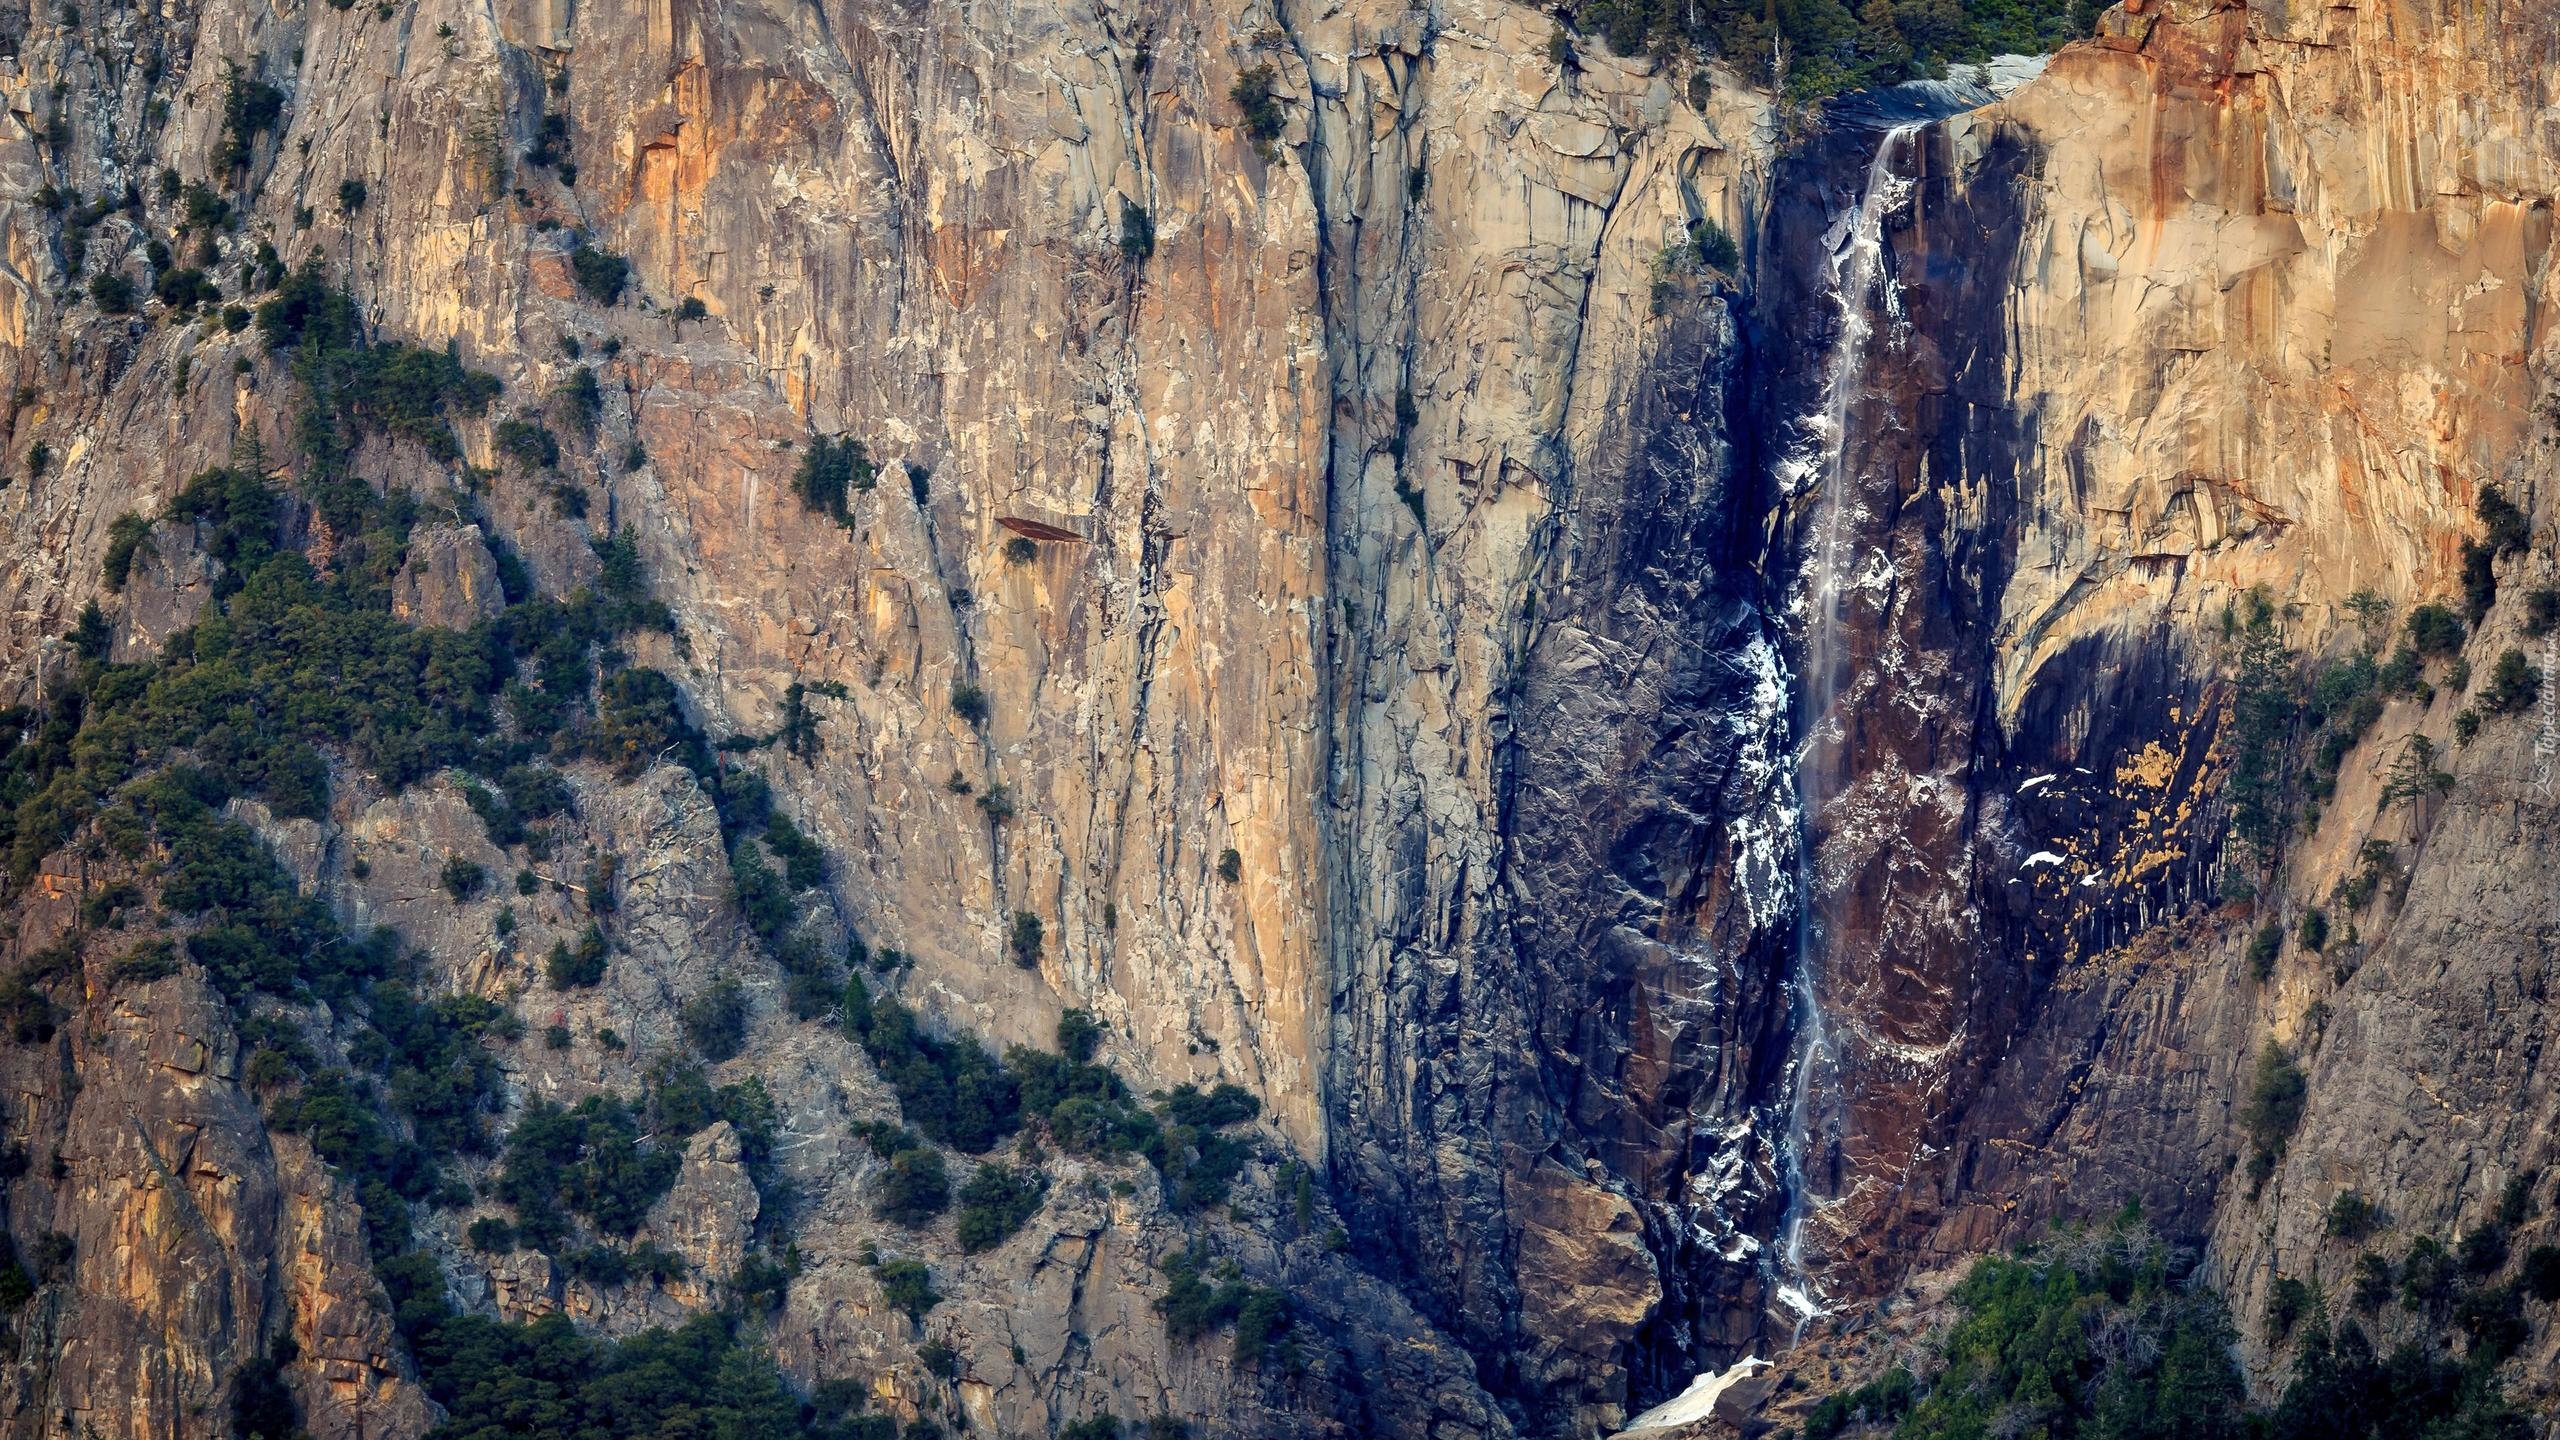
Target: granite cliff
x=1687 y=786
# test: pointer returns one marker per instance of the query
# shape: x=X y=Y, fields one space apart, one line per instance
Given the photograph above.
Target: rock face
x=449 y=581
x=2145 y=365
x=1384 y=600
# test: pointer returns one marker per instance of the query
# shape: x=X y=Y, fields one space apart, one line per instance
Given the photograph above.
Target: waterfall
x=1855 y=274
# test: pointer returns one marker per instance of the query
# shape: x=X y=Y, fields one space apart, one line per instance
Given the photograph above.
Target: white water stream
x=1862 y=290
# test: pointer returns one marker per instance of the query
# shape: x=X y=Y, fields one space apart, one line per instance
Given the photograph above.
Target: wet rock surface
x=1410 y=527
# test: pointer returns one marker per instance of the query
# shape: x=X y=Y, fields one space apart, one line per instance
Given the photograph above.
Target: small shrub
x=692 y=308
x=2264 y=946
x=2314 y=931
x=1024 y=939
x=250 y=108
x=2288 y=1301
x=2375 y=1280
x=2426 y=1275
x=2492 y=1316
x=580 y=400
x=492 y=1235
x=1230 y=865
x=555 y=1037
x=997 y=1201
x=529 y=443
x=351 y=196
x=111 y=292
x=2352 y=1217
x=1259 y=108
x=2414 y=774
x=1263 y=1323
x=2541 y=611
x=2541 y=1273
x=1137 y=232
x=1716 y=247
x=832 y=471
x=715 y=1021
x=577 y=969
x=2479 y=581
x=907 y=1286
x=2435 y=630
x=151 y=960
x=600 y=273
x=2277 y=1093
x=1021 y=550
x=915 y=1188
x=763 y=1282
x=125 y=539
x=2509 y=529
x=463 y=878
x=1079 y=1036
x=2514 y=685
x=2483 y=1251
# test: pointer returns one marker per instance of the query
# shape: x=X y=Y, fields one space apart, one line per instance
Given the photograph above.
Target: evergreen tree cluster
x=1817 y=48
x=2107 y=1334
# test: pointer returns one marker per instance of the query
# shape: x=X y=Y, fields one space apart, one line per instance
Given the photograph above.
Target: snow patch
x=1698 y=1401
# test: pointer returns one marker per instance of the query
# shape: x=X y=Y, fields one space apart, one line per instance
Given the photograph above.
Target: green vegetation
x=111 y=293
x=2263 y=708
x=961 y=1096
x=1880 y=1401
x=1137 y=232
x=997 y=1201
x=125 y=539
x=831 y=471
x=952 y=1090
x=250 y=108
x=2508 y=531
x=529 y=443
x=1024 y=938
x=1259 y=107
x=2103 y=1334
x=2541 y=611
x=589 y=1160
x=715 y=1019
x=1715 y=246
x=2264 y=946
x=569 y=969
x=1810 y=49
x=917 y=1187
x=2514 y=685
x=352 y=388
x=2352 y=1218
x=2314 y=930
x=1197 y=1302
x=2272 y=1111
x=908 y=1286
x=600 y=273
x=498 y=1381
x=580 y=400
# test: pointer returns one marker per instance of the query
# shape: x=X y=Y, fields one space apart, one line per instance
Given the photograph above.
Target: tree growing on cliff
x=599 y=272
x=1257 y=103
x=2272 y=1111
x=832 y=470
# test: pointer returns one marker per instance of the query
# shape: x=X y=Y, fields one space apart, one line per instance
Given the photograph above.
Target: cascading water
x=1858 y=284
